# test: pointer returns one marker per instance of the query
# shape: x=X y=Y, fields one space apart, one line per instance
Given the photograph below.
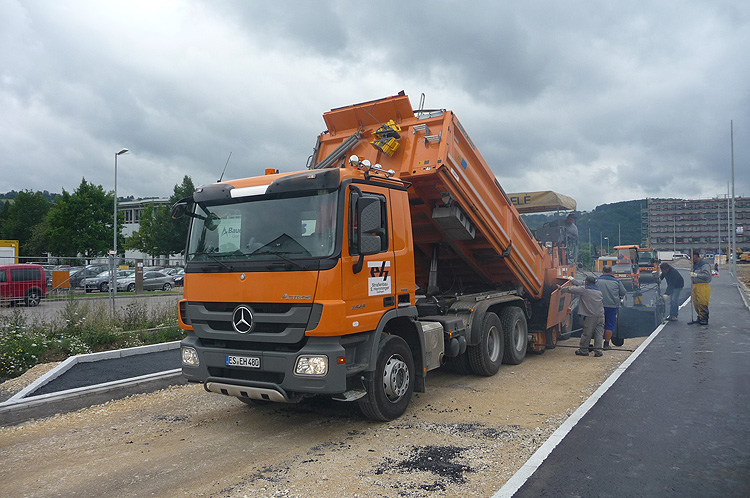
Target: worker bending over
x=592 y=311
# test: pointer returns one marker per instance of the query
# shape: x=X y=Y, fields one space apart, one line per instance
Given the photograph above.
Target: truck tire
x=485 y=357
x=516 y=334
x=391 y=385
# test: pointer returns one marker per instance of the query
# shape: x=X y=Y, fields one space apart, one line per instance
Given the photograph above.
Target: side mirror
x=182 y=208
x=179 y=210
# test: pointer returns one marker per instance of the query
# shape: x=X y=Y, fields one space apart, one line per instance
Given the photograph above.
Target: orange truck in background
x=648 y=265
x=626 y=268
x=394 y=253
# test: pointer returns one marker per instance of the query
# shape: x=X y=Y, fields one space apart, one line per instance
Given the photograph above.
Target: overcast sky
x=601 y=101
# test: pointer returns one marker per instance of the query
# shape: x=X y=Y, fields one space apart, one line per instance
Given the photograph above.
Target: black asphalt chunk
x=101 y=371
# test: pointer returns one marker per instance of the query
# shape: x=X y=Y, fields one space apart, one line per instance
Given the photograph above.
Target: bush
x=20 y=346
x=81 y=328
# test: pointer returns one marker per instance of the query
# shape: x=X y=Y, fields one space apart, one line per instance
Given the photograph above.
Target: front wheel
x=33 y=298
x=131 y=287
x=516 y=334
x=391 y=385
x=167 y=287
x=485 y=357
x=104 y=287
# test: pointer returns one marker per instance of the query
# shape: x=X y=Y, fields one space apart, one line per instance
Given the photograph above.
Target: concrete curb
x=24 y=405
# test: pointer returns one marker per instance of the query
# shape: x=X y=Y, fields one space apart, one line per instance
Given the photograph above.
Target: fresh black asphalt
x=98 y=372
x=675 y=423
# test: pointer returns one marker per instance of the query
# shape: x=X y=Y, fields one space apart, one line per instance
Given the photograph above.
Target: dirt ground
x=464 y=437
x=743 y=273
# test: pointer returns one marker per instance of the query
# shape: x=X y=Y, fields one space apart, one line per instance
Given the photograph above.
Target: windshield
x=622 y=268
x=286 y=227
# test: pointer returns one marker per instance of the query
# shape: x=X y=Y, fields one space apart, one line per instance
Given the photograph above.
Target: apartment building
x=682 y=224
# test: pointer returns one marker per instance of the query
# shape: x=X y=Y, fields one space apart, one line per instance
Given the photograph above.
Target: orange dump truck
x=394 y=253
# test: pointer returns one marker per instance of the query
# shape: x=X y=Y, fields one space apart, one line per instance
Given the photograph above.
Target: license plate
x=243 y=361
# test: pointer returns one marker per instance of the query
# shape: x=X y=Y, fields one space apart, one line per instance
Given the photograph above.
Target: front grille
x=246 y=374
x=268 y=328
x=272 y=322
x=257 y=307
x=253 y=346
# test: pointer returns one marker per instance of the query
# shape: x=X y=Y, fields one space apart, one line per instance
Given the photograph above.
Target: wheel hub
x=395 y=378
x=493 y=344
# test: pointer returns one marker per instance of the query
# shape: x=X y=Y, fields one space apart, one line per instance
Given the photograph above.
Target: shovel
x=616 y=339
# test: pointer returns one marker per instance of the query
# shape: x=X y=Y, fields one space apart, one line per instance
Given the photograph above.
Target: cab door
x=368 y=272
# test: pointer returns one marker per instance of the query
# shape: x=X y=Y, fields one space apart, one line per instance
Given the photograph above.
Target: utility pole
x=718 y=227
x=729 y=230
x=734 y=221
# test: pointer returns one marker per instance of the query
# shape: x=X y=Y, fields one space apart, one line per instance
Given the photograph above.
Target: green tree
x=159 y=234
x=19 y=218
x=179 y=228
x=81 y=222
x=150 y=237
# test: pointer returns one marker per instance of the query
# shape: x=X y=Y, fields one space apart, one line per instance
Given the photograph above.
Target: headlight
x=190 y=357
x=311 y=365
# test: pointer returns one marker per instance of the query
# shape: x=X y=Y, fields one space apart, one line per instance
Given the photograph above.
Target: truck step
x=351 y=395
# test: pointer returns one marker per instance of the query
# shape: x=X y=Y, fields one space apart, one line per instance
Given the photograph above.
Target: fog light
x=311 y=365
x=190 y=357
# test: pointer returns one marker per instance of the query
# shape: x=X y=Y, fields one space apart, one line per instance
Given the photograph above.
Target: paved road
x=50 y=309
x=676 y=423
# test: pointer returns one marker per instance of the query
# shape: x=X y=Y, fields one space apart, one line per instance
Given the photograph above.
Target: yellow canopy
x=541 y=202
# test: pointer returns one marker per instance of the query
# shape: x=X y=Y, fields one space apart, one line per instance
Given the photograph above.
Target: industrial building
x=680 y=225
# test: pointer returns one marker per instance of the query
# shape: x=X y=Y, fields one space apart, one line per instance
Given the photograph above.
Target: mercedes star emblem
x=242 y=319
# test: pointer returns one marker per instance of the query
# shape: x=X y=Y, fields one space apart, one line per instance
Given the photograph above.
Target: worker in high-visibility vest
x=701 y=295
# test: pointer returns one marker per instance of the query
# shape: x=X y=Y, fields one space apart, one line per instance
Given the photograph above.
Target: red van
x=25 y=283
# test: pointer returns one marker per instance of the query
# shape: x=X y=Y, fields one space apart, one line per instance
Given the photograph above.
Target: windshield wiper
x=280 y=255
x=214 y=258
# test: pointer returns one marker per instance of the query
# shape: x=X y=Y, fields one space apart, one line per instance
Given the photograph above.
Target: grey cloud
x=608 y=102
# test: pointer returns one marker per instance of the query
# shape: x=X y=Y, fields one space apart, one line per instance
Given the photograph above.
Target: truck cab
x=648 y=265
x=394 y=253
x=626 y=268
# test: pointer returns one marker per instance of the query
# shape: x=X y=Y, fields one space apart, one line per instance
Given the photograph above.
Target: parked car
x=179 y=277
x=23 y=283
x=76 y=279
x=152 y=280
x=101 y=281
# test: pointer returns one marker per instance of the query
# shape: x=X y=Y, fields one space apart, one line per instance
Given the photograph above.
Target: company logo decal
x=379 y=281
x=242 y=319
x=296 y=297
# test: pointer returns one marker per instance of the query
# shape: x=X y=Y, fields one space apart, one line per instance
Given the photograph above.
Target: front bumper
x=275 y=380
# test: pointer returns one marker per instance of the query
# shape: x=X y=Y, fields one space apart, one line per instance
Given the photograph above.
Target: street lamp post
x=607 y=239
x=113 y=280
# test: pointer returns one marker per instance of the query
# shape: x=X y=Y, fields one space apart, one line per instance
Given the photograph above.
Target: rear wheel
x=33 y=298
x=391 y=385
x=516 y=334
x=485 y=357
x=131 y=287
x=167 y=287
x=104 y=287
